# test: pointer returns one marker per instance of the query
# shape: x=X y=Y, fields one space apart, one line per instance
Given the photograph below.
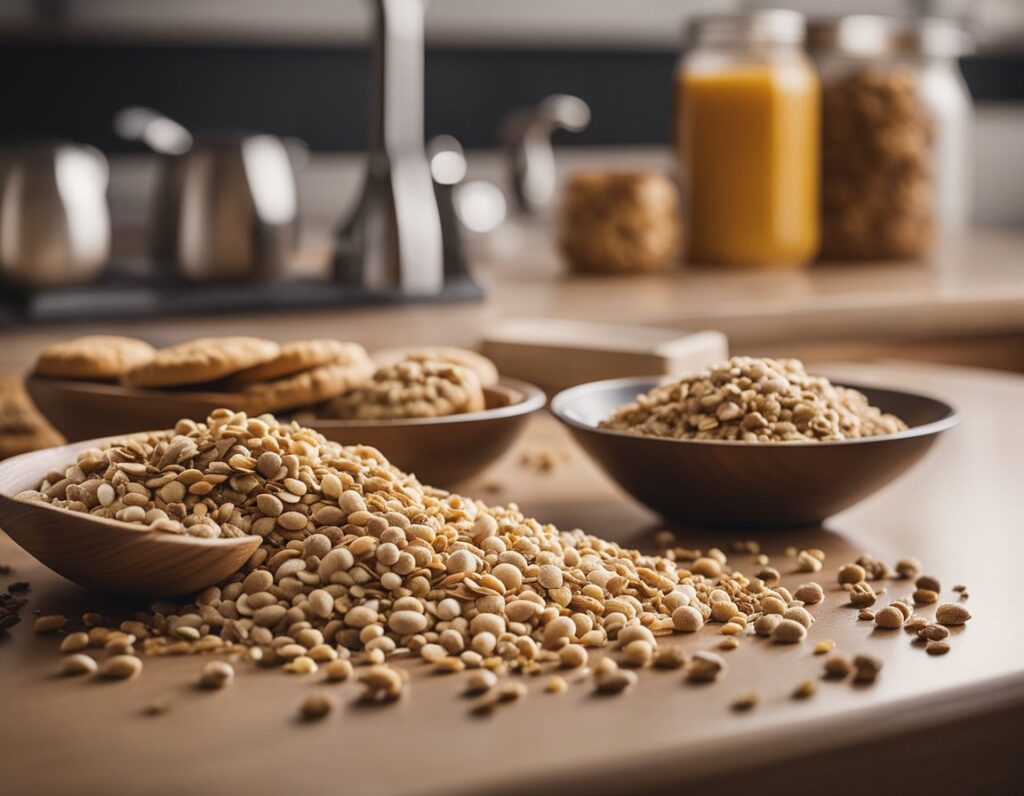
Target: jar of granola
x=896 y=135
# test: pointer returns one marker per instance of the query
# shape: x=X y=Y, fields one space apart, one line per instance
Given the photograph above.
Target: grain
x=670 y=658
x=936 y=647
x=216 y=674
x=638 y=653
x=908 y=568
x=338 y=671
x=753 y=400
x=809 y=593
x=925 y=597
x=120 y=667
x=788 y=631
x=481 y=681
x=805 y=689
x=866 y=668
x=746 y=701
x=824 y=646
x=615 y=681
x=316 y=706
x=77 y=663
x=851 y=574
x=49 y=623
x=933 y=632
x=951 y=614
x=556 y=685
x=929 y=583
x=74 y=642
x=838 y=666
x=704 y=667
x=889 y=618
x=573 y=656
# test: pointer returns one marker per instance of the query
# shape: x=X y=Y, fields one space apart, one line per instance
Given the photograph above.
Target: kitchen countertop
x=951 y=722
x=976 y=289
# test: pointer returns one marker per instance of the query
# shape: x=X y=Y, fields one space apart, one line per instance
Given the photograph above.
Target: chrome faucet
x=393 y=239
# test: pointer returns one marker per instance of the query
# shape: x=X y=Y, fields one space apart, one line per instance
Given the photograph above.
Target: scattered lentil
x=78 y=663
x=316 y=706
x=806 y=688
x=216 y=674
x=936 y=647
x=119 y=667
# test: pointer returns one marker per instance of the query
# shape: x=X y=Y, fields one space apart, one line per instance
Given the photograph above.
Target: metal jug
x=54 y=217
x=225 y=208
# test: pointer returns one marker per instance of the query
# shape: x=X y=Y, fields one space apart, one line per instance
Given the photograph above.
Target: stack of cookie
x=335 y=378
x=261 y=375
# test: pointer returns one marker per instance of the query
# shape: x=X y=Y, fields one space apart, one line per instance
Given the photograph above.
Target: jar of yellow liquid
x=747 y=140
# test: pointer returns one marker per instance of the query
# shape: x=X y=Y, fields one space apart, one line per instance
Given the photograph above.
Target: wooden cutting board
x=950 y=723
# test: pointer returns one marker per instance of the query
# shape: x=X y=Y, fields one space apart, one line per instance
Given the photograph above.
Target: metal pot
x=54 y=218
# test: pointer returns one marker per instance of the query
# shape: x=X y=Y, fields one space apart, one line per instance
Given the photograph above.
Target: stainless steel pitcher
x=54 y=217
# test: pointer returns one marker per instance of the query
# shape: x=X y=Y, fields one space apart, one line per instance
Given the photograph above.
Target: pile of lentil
x=360 y=557
x=360 y=563
x=754 y=400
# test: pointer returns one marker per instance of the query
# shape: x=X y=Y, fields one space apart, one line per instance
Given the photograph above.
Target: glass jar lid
x=875 y=35
x=766 y=26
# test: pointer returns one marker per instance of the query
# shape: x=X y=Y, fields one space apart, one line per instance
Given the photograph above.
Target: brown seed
x=889 y=618
x=824 y=646
x=928 y=582
x=809 y=593
x=908 y=567
x=838 y=666
x=78 y=663
x=316 y=706
x=746 y=701
x=705 y=667
x=49 y=623
x=615 y=681
x=933 y=632
x=866 y=668
x=120 y=667
x=851 y=574
x=788 y=631
x=936 y=647
x=216 y=674
x=671 y=658
x=925 y=597
x=805 y=689
x=951 y=614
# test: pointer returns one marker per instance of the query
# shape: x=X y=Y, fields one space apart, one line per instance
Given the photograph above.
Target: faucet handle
x=526 y=139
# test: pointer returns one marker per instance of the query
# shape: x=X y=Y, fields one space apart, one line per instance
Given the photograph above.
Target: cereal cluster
x=754 y=400
x=413 y=387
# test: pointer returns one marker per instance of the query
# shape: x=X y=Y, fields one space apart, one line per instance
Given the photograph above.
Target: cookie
x=96 y=357
x=486 y=371
x=199 y=361
x=298 y=356
x=309 y=387
x=411 y=388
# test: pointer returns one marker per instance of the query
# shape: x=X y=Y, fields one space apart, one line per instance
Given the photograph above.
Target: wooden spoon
x=109 y=555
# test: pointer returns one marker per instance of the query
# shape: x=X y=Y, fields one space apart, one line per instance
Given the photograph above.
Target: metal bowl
x=724 y=484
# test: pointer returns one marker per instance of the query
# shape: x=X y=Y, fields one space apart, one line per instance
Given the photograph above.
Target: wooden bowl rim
x=163 y=537
x=532 y=398
x=561 y=402
x=112 y=390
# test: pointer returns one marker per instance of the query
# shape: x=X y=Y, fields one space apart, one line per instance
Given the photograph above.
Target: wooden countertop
x=975 y=289
x=959 y=512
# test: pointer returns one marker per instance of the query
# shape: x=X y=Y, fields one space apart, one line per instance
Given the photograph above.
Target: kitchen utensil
x=54 y=218
x=393 y=239
x=226 y=208
x=526 y=140
x=443 y=451
x=708 y=483
x=556 y=354
x=109 y=555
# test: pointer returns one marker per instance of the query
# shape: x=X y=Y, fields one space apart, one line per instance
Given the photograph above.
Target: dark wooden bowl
x=444 y=451
x=84 y=409
x=748 y=485
x=441 y=451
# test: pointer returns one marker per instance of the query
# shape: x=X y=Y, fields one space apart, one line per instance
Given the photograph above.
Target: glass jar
x=896 y=136
x=747 y=138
